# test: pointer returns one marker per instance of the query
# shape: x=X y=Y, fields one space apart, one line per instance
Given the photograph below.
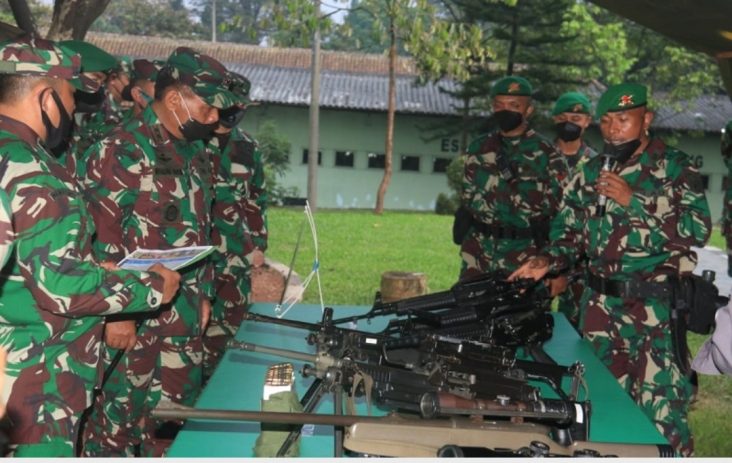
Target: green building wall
x=364 y=132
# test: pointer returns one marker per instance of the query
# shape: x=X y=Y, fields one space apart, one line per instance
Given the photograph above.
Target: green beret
x=93 y=58
x=572 y=102
x=511 y=85
x=622 y=97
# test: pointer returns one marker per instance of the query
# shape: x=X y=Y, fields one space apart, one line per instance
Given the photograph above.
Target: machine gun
x=485 y=363
x=486 y=308
x=408 y=436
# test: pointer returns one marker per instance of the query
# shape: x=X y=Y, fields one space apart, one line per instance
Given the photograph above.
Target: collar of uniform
x=518 y=138
x=20 y=130
x=159 y=135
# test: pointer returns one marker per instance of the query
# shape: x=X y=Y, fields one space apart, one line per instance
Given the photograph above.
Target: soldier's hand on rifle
x=171 y=281
x=535 y=268
x=557 y=285
x=614 y=187
x=120 y=334
x=205 y=314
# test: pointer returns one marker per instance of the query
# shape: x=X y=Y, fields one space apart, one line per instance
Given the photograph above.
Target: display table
x=238 y=380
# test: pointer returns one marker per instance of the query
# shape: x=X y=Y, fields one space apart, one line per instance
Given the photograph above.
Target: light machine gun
x=486 y=308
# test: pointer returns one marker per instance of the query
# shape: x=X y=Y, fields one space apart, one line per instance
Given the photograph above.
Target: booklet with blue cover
x=174 y=259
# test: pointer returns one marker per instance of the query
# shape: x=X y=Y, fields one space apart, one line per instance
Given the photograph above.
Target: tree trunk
x=391 y=110
x=401 y=285
x=73 y=18
x=23 y=16
x=514 y=42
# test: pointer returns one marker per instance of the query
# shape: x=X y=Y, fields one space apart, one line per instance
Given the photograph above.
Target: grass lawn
x=356 y=247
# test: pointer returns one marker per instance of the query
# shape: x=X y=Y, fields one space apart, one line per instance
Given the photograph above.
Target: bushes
x=448 y=204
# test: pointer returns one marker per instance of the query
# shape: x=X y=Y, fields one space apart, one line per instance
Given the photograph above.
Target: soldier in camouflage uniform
x=240 y=225
x=150 y=186
x=141 y=90
x=655 y=211
x=511 y=185
x=726 y=148
x=571 y=115
x=53 y=291
x=90 y=120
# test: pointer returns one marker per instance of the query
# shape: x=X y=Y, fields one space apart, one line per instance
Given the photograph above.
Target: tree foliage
x=162 y=18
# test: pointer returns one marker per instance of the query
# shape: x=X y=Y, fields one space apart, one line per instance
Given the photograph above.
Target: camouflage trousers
x=50 y=438
x=569 y=302
x=483 y=254
x=233 y=293
x=158 y=368
x=632 y=337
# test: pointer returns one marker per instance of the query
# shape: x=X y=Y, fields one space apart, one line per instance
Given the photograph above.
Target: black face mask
x=622 y=151
x=192 y=130
x=89 y=102
x=508 y=120
x=230 y=117
x=56 y=135
x=568 y=131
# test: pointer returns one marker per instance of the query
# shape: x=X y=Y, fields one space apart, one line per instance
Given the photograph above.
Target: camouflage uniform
x=89 y=129
x=569 y=301
x=240 y=228
x=6 y=228
x=53 y=291
x=726 y=149
x=533 y=194
x=150 y=190
x=647 y=241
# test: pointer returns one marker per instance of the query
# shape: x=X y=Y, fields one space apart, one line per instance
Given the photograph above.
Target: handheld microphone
x=607 y=164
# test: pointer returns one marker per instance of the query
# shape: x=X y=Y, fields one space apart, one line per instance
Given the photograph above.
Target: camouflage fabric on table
x=533 y=193
x=53 y=296
x=239 y=228
x=647 y=241
x=149 y=190
x=569 y=301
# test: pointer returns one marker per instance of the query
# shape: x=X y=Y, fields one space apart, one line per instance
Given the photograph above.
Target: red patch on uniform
x=514 y=87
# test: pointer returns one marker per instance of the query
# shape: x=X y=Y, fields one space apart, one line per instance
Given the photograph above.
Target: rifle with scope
x=407 y=436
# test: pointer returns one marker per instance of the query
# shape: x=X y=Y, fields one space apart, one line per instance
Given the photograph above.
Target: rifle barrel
x=292 y=354
x=185 y=413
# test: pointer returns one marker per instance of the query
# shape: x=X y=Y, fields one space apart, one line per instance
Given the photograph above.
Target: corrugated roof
x=345 y=90
x=359 y=80
x=226 y=52
x=708 y=113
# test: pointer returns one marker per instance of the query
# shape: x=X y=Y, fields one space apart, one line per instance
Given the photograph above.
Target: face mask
x=508 y=120
x=622 y=151
x=89 y=102
x=230 y=117
x=55 y=135
x=192 y=130
x=568 y=131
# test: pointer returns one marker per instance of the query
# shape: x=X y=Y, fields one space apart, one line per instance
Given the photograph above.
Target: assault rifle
x=407 y=436
x=487 y=308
